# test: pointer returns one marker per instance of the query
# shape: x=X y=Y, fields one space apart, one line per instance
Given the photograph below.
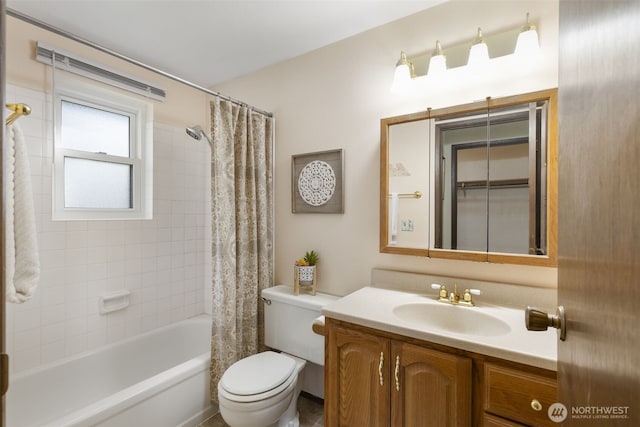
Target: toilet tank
x=288 y=319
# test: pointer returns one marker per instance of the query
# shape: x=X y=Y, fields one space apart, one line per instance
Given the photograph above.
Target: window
x=103 y=154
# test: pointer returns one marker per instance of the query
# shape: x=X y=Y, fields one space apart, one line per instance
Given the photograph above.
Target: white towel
x=22 y=262
x=393 y=219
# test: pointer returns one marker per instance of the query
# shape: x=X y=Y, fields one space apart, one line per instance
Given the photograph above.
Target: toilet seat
x=258 y=377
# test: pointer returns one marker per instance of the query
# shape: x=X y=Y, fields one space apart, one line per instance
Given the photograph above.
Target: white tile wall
x=164 y=262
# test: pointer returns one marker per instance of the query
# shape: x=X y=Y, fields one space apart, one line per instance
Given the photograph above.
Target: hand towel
x=22 y=261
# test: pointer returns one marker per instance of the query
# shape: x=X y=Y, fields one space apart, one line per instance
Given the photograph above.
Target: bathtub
x=160 y=378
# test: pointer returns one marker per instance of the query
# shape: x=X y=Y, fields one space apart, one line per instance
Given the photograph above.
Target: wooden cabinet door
x=429 y=388
x=356 y=378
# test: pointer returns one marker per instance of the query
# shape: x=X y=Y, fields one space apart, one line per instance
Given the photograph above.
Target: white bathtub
x=160 y=378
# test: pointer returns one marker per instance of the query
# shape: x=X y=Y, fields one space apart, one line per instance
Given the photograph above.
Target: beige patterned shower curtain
x=242 y=231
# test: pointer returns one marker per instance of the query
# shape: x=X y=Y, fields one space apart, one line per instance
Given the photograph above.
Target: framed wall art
x=317 y=182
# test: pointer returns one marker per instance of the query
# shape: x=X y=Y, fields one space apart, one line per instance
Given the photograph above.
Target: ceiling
x=210 y=41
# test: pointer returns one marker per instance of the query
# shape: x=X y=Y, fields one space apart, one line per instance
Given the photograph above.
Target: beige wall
x=334 y=97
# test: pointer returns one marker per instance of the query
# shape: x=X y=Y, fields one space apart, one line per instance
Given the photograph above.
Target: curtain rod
x=33 y=21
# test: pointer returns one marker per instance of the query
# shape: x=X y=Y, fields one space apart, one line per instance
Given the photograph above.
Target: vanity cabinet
x=376 y=378
x=373 y=380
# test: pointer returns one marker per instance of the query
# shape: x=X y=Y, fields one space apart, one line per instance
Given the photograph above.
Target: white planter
x=306 y=274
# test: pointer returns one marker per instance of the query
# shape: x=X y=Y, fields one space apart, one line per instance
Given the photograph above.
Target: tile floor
x=310 y=407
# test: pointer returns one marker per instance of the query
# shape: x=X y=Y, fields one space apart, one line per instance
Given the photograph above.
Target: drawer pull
x=397 y=373
x=380 y=368
x=536 y=405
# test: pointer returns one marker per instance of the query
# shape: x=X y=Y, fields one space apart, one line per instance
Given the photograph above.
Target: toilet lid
x=257 y=374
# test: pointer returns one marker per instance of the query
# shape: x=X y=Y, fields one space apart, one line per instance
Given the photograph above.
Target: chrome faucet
x=453 y=297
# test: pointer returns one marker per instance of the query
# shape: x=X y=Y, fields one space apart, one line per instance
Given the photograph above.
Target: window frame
x=140 y=113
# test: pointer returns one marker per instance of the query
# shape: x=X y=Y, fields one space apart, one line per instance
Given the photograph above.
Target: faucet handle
x=467 y=298
x=442 y=288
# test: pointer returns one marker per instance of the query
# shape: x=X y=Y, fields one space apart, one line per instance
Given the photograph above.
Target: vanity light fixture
x=438 y=62
x=479 y=52
x=527 y=43
x=464 y=63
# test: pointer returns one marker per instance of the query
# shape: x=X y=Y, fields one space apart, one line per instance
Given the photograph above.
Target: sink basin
x=449 y=318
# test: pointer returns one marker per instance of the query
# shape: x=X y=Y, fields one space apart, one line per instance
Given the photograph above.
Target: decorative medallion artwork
x=317 y=182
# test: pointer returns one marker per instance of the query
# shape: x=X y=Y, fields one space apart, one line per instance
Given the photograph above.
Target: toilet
x=262 y=390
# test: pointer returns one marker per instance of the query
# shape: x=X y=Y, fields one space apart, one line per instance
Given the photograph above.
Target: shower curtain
x=242 y=231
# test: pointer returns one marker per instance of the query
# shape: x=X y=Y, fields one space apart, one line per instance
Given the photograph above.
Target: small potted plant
x=305 y=272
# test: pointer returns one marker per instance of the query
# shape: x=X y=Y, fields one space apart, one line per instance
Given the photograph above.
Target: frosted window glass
x=96 y=131
x=96 y=184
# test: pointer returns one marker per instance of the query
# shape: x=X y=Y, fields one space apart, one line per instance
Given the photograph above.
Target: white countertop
x=373 y=307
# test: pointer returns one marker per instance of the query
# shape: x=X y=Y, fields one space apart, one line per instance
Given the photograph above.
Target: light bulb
x=527 y=44
x=438 y=62
x=479 y=52
x=402 y=75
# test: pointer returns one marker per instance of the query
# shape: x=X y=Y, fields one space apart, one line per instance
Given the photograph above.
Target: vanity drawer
x=518 y=395
x=492 y=421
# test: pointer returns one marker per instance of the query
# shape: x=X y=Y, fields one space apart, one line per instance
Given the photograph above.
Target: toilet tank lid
x=284 y=294
x=257 y=374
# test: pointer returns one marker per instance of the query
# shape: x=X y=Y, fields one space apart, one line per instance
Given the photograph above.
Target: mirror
x=473 y=182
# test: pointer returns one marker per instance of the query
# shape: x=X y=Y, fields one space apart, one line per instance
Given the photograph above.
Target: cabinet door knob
x=536 y=405
x=380 y=368
x=397 y=373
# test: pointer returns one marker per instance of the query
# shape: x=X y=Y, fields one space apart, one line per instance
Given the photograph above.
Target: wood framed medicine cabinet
x=475 y=182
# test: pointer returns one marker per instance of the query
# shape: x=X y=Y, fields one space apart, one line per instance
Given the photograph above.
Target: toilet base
x=291 y=417
x=239 y=415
